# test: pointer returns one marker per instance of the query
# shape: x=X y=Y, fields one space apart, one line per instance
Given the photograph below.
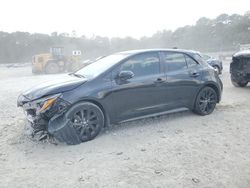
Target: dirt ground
x=177 y=150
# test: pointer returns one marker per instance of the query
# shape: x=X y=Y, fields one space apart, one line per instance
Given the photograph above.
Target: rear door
x=183 y=78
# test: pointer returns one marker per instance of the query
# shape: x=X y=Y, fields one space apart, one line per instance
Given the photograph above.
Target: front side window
x=175 y=61
x=142 y=64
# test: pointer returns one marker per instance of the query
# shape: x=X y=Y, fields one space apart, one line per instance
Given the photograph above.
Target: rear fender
x=208 y=84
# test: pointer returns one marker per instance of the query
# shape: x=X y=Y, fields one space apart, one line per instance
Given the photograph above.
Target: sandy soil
x=177 y=150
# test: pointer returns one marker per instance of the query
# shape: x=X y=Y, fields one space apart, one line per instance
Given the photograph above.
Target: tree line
x=224 y=33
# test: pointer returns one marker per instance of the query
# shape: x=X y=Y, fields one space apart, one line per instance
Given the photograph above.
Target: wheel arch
x=97 y=103
x=216 y=90
x=211 y=85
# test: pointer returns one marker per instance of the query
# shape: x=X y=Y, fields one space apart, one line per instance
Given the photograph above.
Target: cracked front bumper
x=53 y=121
x=40 y=120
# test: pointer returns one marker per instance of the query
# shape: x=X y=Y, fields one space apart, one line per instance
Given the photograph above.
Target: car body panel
x=63 y=84
x=136 y=94
x=130 y=99
x=187 y=79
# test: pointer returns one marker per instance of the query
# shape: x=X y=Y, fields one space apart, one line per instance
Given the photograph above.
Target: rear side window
x=190 y=62
x=175 y=61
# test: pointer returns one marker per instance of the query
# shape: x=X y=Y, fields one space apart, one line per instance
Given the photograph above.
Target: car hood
x=65 y=83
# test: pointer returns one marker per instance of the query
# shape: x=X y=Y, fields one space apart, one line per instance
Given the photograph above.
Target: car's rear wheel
x=239 y=83
x=206 y=101
x=87 y=119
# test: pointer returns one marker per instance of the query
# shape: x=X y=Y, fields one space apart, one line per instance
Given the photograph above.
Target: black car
x=121 y=87
x=215 y=63
x=240 y=68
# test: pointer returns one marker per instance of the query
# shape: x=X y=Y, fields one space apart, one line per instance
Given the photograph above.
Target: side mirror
x=125 y=75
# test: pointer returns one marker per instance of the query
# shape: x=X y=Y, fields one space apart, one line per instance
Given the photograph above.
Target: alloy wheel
x=207 y=101
x=86 y=119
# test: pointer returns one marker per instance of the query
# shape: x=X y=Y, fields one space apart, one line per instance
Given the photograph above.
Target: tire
x=205 y=101
x=52 y=68
x=87 y=120
x=238 y=84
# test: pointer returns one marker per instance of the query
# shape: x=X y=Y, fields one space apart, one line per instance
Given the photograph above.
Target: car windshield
x=100 y=65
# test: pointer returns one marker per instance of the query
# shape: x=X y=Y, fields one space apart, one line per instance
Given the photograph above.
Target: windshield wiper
x=77 y=75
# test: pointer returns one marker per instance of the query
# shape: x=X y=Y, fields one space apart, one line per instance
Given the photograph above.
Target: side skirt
x=156 y=114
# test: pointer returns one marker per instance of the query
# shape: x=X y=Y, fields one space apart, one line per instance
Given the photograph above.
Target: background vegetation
x=224 y=33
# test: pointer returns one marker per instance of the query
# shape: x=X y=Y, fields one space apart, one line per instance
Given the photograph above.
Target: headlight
x=46 y=102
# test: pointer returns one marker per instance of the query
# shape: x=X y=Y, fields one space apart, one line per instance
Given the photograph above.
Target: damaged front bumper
x=43 y=114
x=63 y=130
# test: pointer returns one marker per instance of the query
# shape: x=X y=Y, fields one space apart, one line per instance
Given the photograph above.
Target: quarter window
x=142 y=65
x=175 y=61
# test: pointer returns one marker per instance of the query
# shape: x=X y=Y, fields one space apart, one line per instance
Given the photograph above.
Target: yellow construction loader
x=56 y=62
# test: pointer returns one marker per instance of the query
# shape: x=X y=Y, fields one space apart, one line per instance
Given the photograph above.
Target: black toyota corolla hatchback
x=121 y=87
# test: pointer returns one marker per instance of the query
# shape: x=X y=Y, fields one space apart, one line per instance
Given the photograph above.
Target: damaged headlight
x=45 y=107
x=43 y=104
x=47 y=102
x=51 y=105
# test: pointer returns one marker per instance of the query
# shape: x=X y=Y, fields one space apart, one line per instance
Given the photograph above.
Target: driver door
x=144 y=92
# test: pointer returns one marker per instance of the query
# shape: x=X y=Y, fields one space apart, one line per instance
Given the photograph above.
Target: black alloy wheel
x=206 y=101
x=87 y=119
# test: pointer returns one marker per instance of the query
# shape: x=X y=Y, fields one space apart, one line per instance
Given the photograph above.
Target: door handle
x=159 y=80
x=195 y=74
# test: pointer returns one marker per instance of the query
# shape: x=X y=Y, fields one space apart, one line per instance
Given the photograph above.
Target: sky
x=111 y=18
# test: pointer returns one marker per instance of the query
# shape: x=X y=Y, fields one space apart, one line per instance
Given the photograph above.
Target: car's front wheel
x=87 y=119
x=206 y=101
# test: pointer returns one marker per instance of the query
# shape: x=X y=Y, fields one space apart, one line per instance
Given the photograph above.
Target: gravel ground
x=177 y=150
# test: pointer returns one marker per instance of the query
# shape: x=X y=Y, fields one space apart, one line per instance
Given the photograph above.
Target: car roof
x=244 y=53
x=133 y=52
